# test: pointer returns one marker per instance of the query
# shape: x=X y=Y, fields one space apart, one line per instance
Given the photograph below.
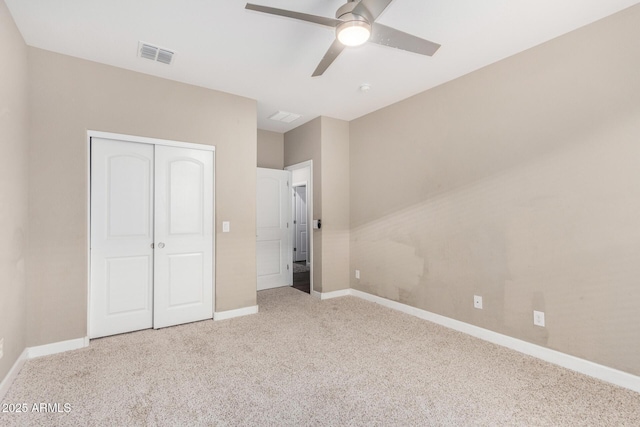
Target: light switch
x=226 y=227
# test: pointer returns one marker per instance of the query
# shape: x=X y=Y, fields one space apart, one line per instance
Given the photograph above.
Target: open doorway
x=302 y=233
x=301 y=263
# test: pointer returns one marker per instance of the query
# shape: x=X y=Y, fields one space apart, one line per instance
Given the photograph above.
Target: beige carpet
x=301 y=361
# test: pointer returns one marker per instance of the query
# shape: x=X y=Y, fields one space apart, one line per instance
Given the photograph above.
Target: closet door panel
x=121 y=293
x=183 y=236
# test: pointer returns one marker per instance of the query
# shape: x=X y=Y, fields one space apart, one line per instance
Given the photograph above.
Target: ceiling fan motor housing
x=355 y=28
x=344 y=13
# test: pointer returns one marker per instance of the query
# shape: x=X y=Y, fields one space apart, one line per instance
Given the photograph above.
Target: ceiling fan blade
x=328 y=58
x=329 y=22
x=372 y=8
x=387 y=36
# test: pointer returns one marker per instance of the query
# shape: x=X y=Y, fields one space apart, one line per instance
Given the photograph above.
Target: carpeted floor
x=302 y=361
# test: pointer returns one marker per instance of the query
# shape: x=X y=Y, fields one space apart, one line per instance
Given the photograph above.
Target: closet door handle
x=161 y=245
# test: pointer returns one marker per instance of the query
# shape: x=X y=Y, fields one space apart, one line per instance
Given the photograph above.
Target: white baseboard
x=57 y=347
x=604 y=373
x=230 y=314
x=334 y=294
x=316 y=294
x=38 y=351
x=12 y=374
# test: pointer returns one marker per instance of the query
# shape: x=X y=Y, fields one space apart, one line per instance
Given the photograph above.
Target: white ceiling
x=222 y=46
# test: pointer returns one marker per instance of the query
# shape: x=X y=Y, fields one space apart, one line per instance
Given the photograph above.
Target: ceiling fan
x=355 y=25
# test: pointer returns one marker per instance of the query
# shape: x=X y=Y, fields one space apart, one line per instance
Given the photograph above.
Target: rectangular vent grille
x=165 y=56
x=154 y=53
x=283 y=116
x=149 y=52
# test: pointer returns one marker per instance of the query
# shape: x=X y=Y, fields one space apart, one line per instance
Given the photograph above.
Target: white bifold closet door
x=151 y=236
x=183 y=278
x=121 y=237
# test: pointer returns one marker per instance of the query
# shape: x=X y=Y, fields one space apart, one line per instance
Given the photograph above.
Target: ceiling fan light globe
x=353 y=33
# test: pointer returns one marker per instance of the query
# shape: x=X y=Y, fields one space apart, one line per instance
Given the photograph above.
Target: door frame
x=304 y=165
x=141 y=140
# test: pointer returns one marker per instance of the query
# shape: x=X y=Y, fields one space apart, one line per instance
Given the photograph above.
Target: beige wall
x=326 y=141
x=70 y=96
x=14 y=127
x=270 y=149
x=519 y=182
x=335 y=202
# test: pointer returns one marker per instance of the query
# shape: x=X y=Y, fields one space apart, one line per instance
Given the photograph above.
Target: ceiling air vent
x=154 y=53
x=165 y=56
x=283 y=116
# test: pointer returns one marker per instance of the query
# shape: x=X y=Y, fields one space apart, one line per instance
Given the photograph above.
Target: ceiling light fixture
x=353 y=33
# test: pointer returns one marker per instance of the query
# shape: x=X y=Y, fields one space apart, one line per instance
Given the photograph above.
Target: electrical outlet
x=538 y=318
x=477 y=301
x=357 y=274
x=1 y=348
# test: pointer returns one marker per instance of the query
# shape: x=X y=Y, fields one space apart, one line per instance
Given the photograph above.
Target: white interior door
x=183 y=236
x=300 y=197
x=121 y=237
x=273 y=253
